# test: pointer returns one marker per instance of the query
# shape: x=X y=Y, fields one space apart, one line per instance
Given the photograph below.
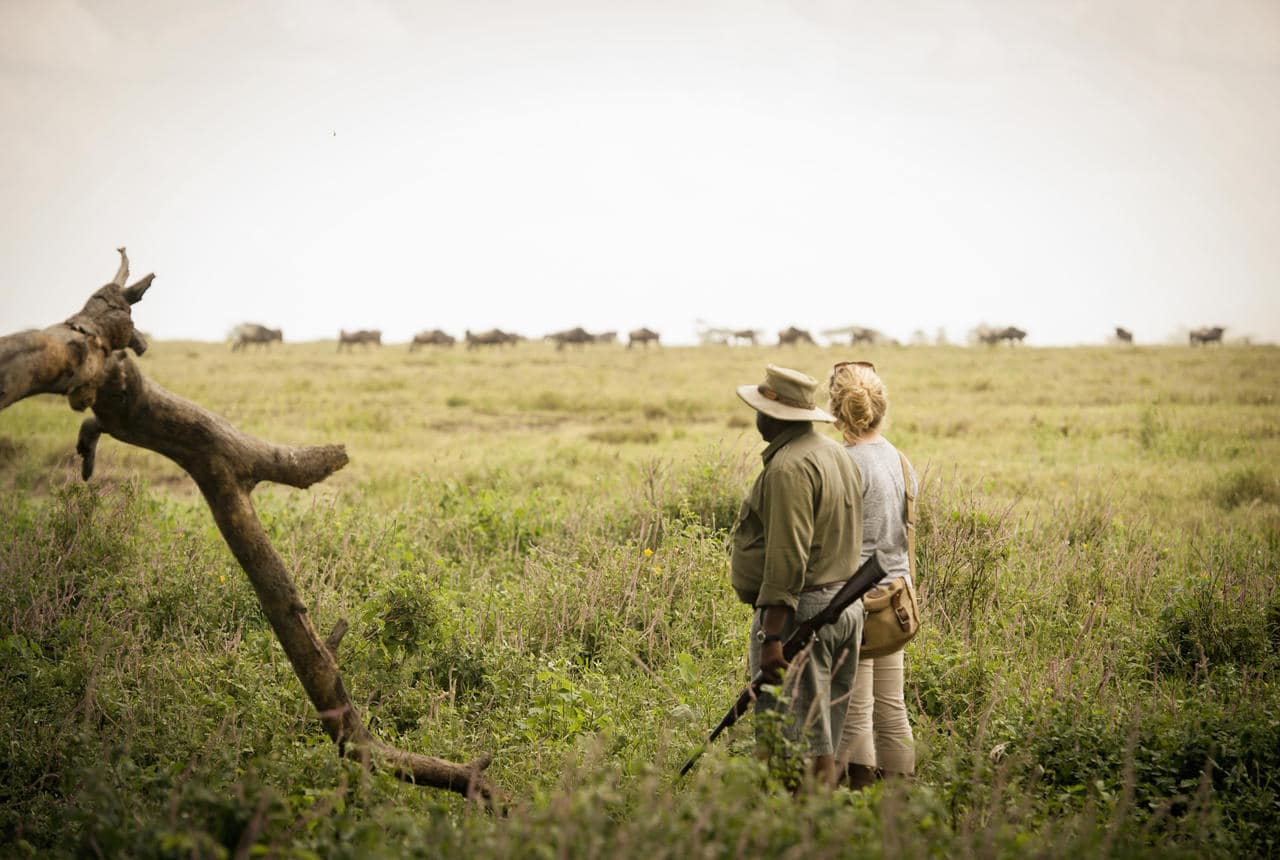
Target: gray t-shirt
x=884 y=505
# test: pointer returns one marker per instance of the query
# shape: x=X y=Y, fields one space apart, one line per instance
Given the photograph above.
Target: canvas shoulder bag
x=892 y=614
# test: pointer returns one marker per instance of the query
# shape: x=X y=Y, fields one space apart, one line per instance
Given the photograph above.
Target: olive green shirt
x=801 y=525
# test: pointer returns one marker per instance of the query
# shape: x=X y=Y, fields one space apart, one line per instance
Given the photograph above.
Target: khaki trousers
x=819 y=680
x=876 y=731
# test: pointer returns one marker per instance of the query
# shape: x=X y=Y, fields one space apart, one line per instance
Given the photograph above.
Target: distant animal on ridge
x=870 y=337
x=492 y=337
x=606 y=337
x=434 y=337
x=1009 y=334
x=576 y=336
x=747 y=335
x=792 y=336
x=1206 y=335
x=365 y=337
x=252 y=333
x=1123 y=335
x=642 y=336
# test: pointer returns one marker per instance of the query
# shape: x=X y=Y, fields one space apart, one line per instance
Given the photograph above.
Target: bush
x=1246 y=486
x=624 y=435
x=948 y=680
x=710 y=492
x=490 y=521
x=961 y=548
x=1271 y=623
x=406 y=613
x=1200 y=626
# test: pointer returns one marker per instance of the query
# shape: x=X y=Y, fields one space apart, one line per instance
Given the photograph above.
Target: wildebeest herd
x=253 y=334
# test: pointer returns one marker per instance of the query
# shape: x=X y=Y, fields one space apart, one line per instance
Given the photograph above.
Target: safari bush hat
x=785 y=394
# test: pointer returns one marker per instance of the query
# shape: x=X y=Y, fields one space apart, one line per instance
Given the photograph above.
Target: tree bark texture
x=84 y=359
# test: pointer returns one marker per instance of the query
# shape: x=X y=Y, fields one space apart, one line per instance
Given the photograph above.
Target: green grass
x=529 y=546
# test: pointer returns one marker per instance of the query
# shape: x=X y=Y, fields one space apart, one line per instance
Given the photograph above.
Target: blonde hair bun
x=859 y=400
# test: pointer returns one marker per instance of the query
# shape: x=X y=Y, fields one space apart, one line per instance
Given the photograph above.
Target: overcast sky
x=1063 y=166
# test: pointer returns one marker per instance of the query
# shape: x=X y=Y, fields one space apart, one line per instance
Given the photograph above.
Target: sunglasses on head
x=839 y=364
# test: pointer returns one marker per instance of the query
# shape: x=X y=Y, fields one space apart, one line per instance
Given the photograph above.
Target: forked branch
x=84 y=359
x=70 y=357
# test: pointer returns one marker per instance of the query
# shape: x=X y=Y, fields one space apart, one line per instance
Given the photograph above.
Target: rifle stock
x=857 y=585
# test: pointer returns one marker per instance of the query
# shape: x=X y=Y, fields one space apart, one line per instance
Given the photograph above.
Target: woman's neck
x=865 y=438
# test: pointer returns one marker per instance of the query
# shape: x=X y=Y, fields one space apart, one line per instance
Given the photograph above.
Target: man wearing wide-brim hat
x=798 y=537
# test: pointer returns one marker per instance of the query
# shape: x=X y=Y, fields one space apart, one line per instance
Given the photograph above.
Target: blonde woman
x=876 y=739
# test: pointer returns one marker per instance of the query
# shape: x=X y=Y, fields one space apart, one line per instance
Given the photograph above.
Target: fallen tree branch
x=84 y=359
x=334 y=639
x=70 y=357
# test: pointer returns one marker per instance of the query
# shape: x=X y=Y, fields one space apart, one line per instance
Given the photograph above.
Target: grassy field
x=530 y=547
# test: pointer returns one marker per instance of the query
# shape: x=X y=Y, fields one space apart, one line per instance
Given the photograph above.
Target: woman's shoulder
x=898 y=456
x=880 y=449
x=880 y=456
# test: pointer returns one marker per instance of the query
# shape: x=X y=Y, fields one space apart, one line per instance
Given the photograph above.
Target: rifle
x=859 y=584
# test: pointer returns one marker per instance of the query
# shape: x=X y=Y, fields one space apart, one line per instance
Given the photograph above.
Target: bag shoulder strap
x=909 y=516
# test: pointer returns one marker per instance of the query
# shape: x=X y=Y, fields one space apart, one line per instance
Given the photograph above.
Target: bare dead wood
x=84 y=359
x=334 y=639
x=70 y=357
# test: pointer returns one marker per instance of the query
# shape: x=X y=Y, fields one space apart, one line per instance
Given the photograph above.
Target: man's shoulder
x=808 y=447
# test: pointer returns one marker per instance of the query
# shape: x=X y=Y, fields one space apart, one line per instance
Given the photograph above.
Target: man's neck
x=790 y=431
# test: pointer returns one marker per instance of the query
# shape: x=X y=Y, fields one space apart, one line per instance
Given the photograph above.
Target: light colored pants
x=820 y=678
x=876 y=730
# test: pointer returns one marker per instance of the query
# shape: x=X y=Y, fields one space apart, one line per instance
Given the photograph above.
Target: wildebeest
x=367 y=337
x=252 y=333
x=792 y=336
x=606 y=337
x=992 y=336
x=434 y=337
x=871 y=337
x=1206 y=335
x=492 y=337
x=857 y=335
x=1123 y=335
x=747 y=335
x=643 y=336
x=576 y=336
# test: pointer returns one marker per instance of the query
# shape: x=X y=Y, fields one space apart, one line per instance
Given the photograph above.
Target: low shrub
x=710 y=492
x=1200 y=626
x=947 y=680
x=960 y=550
x=624 y=436
x=1246 y=486
x=1271 y=623
x=479 y=521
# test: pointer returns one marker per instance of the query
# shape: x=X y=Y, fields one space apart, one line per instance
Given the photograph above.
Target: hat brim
x=750 y=395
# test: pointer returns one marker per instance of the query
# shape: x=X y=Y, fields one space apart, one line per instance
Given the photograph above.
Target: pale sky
x=315 y=164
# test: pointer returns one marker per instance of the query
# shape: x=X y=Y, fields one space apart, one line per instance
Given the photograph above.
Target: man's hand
x=771 y=660
x=772 y=663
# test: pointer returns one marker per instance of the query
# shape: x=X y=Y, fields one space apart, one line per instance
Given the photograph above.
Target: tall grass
x=1097 y=673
